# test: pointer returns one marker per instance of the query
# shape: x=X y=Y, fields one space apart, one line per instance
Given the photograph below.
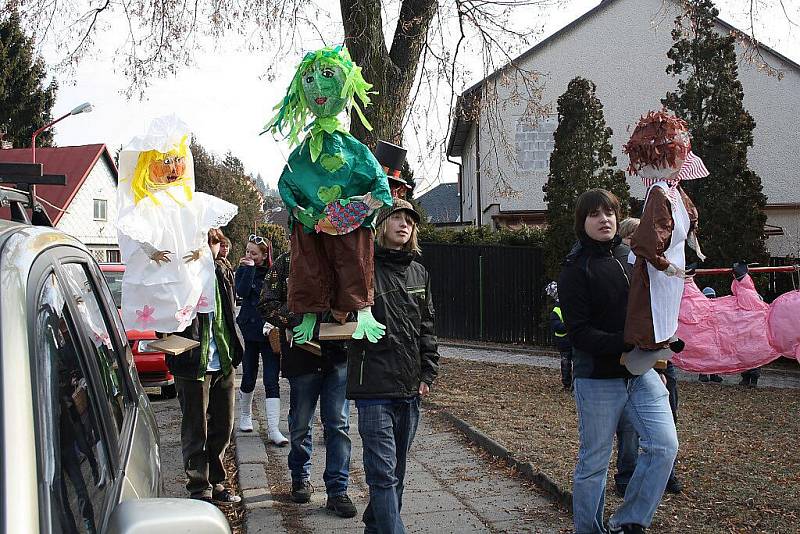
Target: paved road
x=168 y=417
x=769 y=377
x=450 y=488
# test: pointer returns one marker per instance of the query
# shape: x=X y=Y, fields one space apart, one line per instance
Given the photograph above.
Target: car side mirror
x=167 y=516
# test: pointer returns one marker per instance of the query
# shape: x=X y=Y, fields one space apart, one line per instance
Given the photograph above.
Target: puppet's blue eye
x=328 y=73
x=309 y=79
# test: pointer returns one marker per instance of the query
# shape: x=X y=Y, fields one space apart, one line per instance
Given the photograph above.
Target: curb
x=525 y=469
x=251 y=458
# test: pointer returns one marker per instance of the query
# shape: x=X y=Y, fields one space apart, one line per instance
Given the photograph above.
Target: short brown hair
x=591 y=201
x=215 y=236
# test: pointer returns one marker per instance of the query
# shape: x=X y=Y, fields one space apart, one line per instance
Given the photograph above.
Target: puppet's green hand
x=305 y=330
x=306 y=217
x=368 y=326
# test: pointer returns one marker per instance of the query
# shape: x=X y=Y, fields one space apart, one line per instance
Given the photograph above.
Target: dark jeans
x=628 y=439
x=334 y=410
x=566 y=368
x=271 y=368
x=206 y=426
x=387 y=431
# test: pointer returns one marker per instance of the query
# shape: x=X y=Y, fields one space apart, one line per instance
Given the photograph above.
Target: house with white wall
x=621 y=46
x=86 y=207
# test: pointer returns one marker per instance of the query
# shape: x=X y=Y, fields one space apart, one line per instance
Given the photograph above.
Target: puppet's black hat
x=391 y=157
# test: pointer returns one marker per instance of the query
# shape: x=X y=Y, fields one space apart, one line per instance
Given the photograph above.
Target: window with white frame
x=100 y=206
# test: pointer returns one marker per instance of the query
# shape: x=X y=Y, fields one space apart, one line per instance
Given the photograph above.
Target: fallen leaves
x=737 y=458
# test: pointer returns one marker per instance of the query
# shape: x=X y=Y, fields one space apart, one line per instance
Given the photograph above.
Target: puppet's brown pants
x=330 y=272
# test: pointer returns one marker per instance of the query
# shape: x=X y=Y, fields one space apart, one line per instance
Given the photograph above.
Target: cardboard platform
x=174 y=345
x=336 y=332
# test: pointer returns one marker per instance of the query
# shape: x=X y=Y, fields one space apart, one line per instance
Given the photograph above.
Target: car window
x=114 y=281
x=75 y=469
x=99 y=334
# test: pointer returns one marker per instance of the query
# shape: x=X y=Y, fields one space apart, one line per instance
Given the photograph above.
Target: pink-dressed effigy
x=737 y=332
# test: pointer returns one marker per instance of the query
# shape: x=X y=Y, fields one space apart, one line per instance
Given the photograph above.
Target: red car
x=151 y=365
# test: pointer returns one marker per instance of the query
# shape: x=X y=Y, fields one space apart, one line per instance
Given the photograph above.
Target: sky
x=226 y=97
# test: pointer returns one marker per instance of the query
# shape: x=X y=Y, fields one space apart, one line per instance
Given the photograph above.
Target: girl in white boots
x=253 y=267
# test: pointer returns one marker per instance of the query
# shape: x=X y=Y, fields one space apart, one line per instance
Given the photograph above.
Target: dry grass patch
x=738 y=458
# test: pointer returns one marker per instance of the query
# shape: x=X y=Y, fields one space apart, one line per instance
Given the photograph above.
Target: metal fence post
x=480 y=294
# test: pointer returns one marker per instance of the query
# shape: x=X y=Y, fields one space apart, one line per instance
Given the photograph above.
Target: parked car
x=150 y=364
x=79 y=444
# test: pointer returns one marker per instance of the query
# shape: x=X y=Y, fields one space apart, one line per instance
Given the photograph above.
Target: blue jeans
x=334 y=410
x=271 y=368
x=387 y=431
x=643 y=400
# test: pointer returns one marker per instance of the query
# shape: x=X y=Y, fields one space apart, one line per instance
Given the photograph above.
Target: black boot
x=566 y=373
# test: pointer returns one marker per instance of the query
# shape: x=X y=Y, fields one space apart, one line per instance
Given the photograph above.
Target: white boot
x=273 y=416
x=246 y=411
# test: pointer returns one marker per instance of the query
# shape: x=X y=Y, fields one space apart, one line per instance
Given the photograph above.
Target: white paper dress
x=166 y=297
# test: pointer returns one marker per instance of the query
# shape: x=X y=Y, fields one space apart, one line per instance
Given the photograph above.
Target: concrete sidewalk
x=450 y=488
x=769 y=377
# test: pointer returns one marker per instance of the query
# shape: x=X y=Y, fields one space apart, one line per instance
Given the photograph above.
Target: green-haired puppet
x=331 y=185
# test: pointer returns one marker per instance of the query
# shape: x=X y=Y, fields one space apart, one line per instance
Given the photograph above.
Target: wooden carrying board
x=174 y=345
x=336 y=332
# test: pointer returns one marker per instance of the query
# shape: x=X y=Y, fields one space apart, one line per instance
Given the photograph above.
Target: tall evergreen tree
x=221 y=179
x=581 y=160
x=709 y=98
x=24 y=102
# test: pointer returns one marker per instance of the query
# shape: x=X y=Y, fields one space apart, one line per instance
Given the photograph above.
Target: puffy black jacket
x=273 y=307
x=593 y=291
x=407 y=354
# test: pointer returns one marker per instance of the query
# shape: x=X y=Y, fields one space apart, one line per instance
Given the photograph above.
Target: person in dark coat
x=250 y=276
x=388 y=379
x=311 y=378
x=204 y=380
x=593 y=291
x=559 y=330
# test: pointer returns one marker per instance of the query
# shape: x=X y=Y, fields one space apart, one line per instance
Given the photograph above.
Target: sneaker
x=341 y=505
x=716 y=379
x=301 y=491
x=703 y=378
x=223 y=496
x=674 y=486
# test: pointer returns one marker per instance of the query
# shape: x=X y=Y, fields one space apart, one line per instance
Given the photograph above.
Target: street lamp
x=86 y=107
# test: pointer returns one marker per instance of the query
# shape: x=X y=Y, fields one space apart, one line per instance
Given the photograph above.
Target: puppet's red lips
x=320 y=100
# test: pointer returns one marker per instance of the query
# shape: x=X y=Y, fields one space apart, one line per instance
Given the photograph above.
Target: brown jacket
x=649 y=243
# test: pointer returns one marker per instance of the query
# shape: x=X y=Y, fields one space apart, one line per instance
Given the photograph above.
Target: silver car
x=80 y=449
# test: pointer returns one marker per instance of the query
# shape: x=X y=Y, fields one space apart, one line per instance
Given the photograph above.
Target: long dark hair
x=593 y=200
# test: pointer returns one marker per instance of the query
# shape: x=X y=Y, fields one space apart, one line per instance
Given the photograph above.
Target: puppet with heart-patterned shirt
x=332 y=186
